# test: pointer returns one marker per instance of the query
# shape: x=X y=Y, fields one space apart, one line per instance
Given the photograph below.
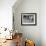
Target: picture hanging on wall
x=28 y=18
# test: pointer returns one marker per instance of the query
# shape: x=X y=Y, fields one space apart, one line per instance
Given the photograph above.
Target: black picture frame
x=29 y=19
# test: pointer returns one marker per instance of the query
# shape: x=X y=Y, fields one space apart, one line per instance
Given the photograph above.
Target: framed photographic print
x=28 y=18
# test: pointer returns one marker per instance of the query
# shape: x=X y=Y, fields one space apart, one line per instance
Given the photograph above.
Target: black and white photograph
x=28 y=18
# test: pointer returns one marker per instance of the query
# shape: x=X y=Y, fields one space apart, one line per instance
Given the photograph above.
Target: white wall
x=6 y=13
x=43 y=22
x=31 y=32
